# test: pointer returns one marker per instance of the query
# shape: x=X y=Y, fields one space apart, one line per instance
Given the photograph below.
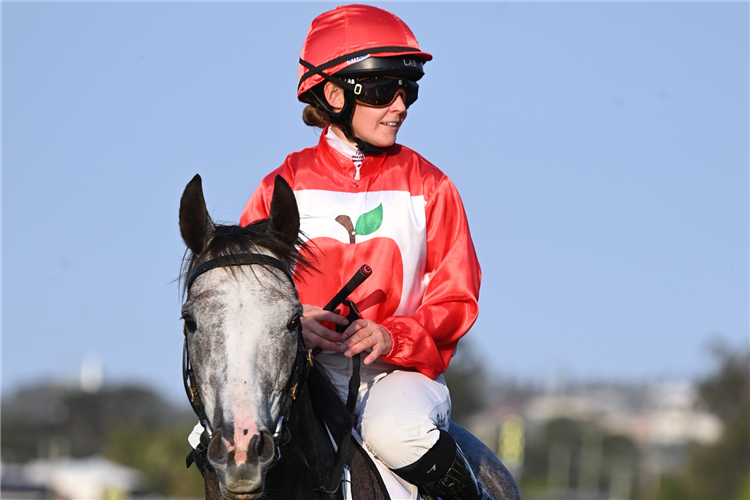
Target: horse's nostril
x=244 y=432
x=263 y=446
x=217 y=450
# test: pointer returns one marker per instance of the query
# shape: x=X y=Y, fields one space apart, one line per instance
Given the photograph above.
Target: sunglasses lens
x=382 y=91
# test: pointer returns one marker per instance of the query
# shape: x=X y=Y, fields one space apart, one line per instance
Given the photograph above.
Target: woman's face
x=379 y=126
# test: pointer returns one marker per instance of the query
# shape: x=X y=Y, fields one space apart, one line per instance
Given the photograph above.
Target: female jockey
x=363 y=199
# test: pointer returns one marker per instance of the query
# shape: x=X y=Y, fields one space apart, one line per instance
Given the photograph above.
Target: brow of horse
x=229 y=240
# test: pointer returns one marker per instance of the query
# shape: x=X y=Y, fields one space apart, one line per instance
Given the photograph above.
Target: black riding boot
x=459 y=483
x=444 y=471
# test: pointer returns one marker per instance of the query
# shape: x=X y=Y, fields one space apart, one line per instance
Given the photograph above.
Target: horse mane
x=230 y=239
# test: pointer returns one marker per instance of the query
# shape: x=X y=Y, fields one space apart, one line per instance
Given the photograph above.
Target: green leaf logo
x=369 y=222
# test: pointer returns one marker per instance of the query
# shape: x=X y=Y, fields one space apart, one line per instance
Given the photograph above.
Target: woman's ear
x=334 y=95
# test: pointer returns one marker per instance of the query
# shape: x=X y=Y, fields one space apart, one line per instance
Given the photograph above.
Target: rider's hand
x=317 y=335
x=365 y=334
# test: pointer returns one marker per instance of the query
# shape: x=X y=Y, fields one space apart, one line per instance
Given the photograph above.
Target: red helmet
x=350 y=34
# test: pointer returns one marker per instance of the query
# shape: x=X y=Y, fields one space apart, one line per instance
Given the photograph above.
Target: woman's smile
x=379 y=126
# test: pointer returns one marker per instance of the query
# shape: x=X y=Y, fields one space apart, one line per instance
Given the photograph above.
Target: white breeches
x=398 y=411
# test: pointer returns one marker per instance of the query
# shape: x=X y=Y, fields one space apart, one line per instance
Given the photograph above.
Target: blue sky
x=601 y=150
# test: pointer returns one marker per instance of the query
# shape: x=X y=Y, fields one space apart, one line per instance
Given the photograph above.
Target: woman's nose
x=398 y=104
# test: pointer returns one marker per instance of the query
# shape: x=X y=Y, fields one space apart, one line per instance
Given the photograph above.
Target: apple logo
x=337 y=261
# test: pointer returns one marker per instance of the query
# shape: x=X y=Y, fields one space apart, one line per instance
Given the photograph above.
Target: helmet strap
x=343 y=118
x=331 y=78
x=363 y=146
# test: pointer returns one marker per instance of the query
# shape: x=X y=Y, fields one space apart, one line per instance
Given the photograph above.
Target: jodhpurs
x=399 y=412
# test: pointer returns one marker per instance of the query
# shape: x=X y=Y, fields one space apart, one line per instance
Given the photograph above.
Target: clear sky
x=601 y=150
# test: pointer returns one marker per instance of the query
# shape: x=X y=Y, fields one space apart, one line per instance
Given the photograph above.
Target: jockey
x=364 y=199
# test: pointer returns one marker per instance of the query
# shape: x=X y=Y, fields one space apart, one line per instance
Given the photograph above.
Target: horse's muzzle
x=241 y=481
x=231 y=495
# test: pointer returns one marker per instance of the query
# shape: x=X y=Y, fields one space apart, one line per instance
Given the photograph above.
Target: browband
x=243 y=259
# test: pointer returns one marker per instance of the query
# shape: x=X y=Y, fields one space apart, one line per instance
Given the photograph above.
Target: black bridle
x=303 y=361
x=300 y=369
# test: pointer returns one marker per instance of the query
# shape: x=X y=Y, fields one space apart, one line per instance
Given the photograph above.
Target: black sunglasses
x=382 y=91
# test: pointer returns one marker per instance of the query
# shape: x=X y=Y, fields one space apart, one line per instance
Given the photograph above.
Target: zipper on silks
x=358 y=157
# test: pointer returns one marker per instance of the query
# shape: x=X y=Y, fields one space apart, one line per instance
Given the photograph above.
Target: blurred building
x=653 y=425
x=93 y=478
x=661 y=414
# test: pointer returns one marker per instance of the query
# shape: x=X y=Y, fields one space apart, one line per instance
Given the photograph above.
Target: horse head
x=242 y=337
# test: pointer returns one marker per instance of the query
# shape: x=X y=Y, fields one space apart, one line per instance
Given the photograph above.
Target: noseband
x=302 y=360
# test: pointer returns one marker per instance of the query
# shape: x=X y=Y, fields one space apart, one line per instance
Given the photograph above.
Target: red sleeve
x=427 y=339
x=259 y=204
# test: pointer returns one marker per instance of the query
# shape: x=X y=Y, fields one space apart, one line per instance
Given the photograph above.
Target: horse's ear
x=196 y=226
x=284 y=213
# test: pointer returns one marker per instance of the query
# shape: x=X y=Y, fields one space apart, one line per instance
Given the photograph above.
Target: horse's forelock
x=231 y=240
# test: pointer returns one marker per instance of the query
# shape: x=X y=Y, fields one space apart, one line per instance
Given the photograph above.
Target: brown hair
x=315 y=117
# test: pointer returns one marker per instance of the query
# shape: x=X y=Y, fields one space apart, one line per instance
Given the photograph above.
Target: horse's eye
x=294 y=323
x=190 y=325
